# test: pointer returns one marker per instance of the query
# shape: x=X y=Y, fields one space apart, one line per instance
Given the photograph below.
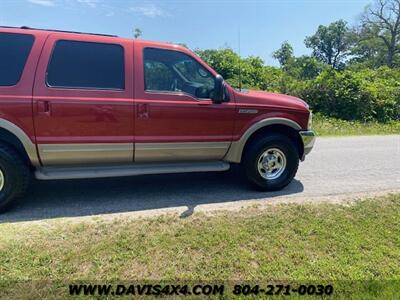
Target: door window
x=174 y=71
x=87 y=65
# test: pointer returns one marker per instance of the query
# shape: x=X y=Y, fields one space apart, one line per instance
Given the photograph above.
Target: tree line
x=374 y=42
x=353 y=73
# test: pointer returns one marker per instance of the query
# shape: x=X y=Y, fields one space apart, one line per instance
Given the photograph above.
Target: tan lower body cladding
x=169 y=152
x=83 y=154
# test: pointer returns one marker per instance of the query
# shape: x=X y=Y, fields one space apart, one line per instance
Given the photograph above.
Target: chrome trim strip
x=235 y=151
x=73 y=154
x=53 y=173
x=157 y=152
x=23 y=138
x=308 y=137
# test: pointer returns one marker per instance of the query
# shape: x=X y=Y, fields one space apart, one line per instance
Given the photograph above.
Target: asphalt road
x=337 y=166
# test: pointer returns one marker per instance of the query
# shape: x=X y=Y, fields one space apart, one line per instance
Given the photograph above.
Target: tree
x=331 y=43
x=225 y=61
x=247 y=72
x=137 y=33
x=382 y=21
x=284 y=54
x=305 y=67
x=367 y=51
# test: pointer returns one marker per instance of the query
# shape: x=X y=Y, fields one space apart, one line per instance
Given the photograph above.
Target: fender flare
x=26 y=142
x=236 y=149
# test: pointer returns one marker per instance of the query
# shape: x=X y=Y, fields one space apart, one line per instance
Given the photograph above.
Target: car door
x=83 y=100
x=176 y=120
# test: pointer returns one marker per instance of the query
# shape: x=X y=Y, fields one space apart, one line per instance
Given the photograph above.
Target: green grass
x=326 y=126
x=345 y=245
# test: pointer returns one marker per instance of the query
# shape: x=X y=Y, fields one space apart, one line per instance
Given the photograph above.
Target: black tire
x=253 y=154
x=16 y=177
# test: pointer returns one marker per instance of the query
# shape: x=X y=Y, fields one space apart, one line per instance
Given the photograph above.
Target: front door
x=83 y=101
x=176 y=120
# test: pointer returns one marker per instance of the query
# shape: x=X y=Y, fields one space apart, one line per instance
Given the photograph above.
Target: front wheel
x=271 y=162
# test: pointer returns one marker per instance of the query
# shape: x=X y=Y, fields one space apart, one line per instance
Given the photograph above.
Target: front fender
x=235 y=151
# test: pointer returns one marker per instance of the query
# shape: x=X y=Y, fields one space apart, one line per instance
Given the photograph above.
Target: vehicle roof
x=83 y=35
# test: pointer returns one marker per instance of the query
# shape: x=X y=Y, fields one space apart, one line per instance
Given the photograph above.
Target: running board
x=52 y=173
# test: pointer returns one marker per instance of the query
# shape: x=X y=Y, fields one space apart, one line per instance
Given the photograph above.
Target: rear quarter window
x=14 y=52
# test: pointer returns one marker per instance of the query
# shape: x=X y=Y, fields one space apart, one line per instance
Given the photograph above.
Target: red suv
x=75 y=105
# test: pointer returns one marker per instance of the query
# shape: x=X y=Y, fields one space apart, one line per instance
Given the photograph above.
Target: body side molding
x=75 y=154
x=235 y=151
x=183 y=151
x=26 y=142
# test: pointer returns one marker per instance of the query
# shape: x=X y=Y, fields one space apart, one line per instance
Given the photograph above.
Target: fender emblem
x=248 y=111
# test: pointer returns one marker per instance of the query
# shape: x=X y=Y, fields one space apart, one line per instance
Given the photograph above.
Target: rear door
x=83 y=100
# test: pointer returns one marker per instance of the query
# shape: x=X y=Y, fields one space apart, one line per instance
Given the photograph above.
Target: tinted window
x=158 y=76
x=86 y=65
x=174 y=71
x=14 y=52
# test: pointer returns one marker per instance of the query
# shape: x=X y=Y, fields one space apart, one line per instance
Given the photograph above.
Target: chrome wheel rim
x=1 y=180
x=271 y=163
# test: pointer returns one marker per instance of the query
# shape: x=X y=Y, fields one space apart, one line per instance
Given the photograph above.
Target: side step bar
x=52 y=173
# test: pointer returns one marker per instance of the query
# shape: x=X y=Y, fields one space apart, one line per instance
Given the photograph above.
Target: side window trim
x=85 y=88
x=177 y=94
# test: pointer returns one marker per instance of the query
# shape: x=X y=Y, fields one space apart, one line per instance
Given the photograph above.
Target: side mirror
x=219 y=89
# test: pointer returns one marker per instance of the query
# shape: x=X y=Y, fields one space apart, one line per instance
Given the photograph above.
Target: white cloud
x=42 y=2
x=146 y=9
x=110 y=14
x=90 y=3
x=149 y=10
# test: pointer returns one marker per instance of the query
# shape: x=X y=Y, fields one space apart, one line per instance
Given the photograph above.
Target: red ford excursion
x=75 y=105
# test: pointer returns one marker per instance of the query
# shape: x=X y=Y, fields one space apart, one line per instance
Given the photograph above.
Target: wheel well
x=12 y=141
x=277 y=128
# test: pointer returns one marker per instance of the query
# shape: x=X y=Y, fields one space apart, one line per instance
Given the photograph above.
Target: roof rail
x=55 y=30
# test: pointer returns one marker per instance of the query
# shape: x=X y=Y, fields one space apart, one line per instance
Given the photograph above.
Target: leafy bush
x=366 y=95
x=351 y=94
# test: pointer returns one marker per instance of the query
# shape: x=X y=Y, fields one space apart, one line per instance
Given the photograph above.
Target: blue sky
x=264 y=25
